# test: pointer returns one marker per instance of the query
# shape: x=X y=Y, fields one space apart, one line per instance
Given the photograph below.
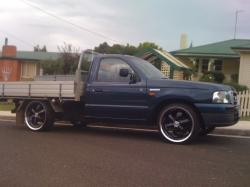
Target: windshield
x=149 y=70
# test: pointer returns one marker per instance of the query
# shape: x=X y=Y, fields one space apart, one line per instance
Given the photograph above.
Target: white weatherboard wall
x=244 y=73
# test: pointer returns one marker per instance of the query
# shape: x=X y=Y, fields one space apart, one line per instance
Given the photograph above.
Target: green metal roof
x=31 y=55
x=219 y=49
x=246 y=46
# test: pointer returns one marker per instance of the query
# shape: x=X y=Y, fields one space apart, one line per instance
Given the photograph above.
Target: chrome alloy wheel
x=176 y=124
x=35 y=115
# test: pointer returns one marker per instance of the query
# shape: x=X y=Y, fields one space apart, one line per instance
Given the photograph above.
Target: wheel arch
x=166 y=102
x=20 y=104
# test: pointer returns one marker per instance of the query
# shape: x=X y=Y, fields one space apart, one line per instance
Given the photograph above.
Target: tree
x=69 y=56
x=52 y=67
x=130 y=50
x=67 y=62
x=148 y=45
x=38 y=49
x=125 y=49
x=102 y=48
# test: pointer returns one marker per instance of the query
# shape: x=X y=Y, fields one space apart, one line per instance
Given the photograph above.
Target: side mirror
x=124 y=72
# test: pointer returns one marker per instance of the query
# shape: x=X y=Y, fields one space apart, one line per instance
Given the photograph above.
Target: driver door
x=112 y=97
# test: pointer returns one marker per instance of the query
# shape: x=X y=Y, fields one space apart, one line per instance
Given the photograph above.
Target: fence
x=244 y=101
x=55 y=78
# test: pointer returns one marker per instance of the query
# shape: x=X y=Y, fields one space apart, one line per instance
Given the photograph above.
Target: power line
x=17 y=38
x=68 y=22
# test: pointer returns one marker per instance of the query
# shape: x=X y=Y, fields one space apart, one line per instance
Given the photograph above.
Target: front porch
x=200 y=65
x=231 y=57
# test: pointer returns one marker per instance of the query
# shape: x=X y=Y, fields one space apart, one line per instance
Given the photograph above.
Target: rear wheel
x=178 y=123
x=39 y=116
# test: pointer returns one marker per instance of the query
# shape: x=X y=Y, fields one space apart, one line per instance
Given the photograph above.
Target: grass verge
x=245 y=118
x=5 y=106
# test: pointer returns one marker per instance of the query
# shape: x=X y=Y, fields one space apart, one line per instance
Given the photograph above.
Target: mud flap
x=20 y=117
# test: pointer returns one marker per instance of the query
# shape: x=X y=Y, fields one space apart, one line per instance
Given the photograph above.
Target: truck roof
x=126 y=57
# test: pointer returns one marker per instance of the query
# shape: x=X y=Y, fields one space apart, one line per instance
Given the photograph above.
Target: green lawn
x=6 y=106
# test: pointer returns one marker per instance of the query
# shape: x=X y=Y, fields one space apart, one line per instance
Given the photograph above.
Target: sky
x=120 y=21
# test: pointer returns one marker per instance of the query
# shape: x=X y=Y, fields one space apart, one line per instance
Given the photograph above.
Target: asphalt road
x=101 y=157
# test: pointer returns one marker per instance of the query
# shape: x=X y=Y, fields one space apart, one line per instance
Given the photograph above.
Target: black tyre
x=178 y=123
x=39 y=116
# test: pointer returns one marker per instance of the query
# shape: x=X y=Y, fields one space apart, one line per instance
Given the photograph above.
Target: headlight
x=222 y=97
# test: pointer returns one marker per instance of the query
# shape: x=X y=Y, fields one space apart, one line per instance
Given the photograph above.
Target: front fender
x=173 y=95
x=189 y=95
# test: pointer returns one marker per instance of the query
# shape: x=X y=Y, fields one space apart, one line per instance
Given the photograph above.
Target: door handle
x=98 y=90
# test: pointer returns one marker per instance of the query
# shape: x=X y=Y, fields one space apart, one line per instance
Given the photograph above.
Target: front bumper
x=219 y=115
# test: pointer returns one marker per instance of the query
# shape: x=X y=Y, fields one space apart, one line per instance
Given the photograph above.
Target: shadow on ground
x=102 y=132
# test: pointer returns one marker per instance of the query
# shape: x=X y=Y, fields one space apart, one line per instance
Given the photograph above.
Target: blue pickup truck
x=123 y=89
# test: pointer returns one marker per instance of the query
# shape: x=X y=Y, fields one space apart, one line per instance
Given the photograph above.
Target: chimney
x=6 y=41
x=8 y=50
x=184 y=41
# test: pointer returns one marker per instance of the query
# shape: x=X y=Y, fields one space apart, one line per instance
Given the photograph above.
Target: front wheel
x=178 y=123
x=38 y=116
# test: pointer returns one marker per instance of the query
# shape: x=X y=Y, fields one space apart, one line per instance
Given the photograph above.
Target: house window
x=197 y=65
x=204 y=67
x=28 y=70
x=218 y=65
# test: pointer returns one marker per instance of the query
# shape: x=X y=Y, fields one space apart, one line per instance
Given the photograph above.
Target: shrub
x=235 y=77
x=218 y=76
x=238 y=87
x=207 y=78
x=213 y=76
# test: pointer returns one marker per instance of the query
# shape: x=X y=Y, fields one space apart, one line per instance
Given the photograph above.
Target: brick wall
x=9 y=51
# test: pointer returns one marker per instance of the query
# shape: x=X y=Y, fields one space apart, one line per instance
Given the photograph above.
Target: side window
x=204 y=67
x=109 y=70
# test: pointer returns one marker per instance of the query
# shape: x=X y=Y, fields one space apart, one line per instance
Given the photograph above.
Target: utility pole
x=236 y=21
